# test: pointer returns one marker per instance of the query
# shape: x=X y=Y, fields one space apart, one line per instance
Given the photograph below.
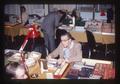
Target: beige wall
x=68 y=7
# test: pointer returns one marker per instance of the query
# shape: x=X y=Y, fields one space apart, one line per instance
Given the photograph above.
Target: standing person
x=58 y=31
x=68 y=50
x=109 y=15
x=78 y=19
x=50 y=22
x=23 y=16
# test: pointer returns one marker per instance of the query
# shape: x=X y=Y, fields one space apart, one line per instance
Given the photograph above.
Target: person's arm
x=57 y=18
x=78 y=56
x=54 y=54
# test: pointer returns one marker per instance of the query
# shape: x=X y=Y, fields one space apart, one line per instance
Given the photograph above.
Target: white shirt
x=67 y=51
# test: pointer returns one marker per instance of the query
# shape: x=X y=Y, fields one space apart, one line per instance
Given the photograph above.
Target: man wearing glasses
x=68 y=50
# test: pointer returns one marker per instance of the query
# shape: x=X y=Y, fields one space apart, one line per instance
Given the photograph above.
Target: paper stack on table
x=79 y=28
x=59 y=72
x=52 y=63
x=15 y=57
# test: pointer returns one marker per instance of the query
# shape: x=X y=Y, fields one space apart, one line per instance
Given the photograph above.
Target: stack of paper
x=59 y=72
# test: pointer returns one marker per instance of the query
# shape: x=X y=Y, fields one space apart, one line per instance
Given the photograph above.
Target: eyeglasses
x=64 y=40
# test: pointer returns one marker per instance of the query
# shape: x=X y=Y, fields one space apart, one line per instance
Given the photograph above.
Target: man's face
x=65 y=40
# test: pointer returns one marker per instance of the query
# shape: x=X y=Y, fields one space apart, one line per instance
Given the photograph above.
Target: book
x=60 y=71
x=73 y=74
x=85 y=72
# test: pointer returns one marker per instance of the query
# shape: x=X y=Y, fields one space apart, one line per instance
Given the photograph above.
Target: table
x=17 y=29
x=79 y=36
x=13 y=30
x=108 y=38
x=36 y=68
x=100 y=37
x=79 y=33
x=24 y=31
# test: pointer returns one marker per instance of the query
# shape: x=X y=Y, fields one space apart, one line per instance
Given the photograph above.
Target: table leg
x=106 y=50
x=12 y=38
x=89 y=54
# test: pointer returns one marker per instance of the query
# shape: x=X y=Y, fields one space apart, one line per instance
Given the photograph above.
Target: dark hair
x=22 y=8
x=60 y=11
x=74 y=14
x=63 y=15
x=64 y=32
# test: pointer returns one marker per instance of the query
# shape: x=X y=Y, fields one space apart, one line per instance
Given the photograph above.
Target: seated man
x=68 y=50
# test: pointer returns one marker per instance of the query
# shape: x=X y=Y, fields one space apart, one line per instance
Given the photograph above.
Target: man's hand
x=66 y=60
x=60 y=61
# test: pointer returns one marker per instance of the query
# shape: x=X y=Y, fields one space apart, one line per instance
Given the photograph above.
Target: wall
x=12 y=9
x=68 y=7
x=31 y=9
x=89 y=16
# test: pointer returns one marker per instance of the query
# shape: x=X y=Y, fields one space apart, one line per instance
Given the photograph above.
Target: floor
x=98 y=52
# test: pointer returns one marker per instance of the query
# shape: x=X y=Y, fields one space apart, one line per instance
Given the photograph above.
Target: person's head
x=22 y=9
x=65 y=38
x=74 y=13
x=60 y=12
x=16 y=70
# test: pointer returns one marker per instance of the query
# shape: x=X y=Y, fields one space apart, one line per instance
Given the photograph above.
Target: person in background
x=58 y=31
x=63 y=16
x=16 y=71
x=109 y=15
x=68 y=50
x=48 y=26
x=23 y=16
x=74 y=14
x=78 y=19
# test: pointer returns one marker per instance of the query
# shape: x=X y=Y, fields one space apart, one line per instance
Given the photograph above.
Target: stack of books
x=85 y=72
x=105 y=70
x=73 y=74
x=60 y=71
x=79 y=70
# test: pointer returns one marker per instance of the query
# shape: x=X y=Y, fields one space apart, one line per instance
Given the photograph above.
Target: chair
x=93 y=47
x=91 y=42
